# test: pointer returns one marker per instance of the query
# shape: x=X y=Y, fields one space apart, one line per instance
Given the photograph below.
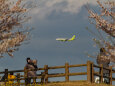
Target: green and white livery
x=66 y=39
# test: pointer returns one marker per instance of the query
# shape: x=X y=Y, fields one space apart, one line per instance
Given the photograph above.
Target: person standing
x=103 y=59
x=35 y=66
x=30 y=70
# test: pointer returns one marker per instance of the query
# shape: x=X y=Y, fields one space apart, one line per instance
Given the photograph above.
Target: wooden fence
x=45 y=75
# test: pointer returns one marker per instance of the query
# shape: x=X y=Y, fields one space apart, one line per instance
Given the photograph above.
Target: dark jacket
x=103 y=59
x=32 y=68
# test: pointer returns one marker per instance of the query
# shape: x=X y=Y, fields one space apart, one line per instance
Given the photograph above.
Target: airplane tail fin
x=73 y=38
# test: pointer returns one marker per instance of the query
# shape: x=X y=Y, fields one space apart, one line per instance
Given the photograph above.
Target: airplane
x=66 y=39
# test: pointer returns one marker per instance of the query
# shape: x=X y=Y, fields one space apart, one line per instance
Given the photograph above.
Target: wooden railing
x=45 y=75
x=92 y=73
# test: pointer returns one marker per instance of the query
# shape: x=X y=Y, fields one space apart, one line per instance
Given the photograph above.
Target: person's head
x=102 y=50
x=28 y=60
x=34 y=62
x=11 y=73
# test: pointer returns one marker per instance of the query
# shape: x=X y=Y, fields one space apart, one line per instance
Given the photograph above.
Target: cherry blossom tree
x=13 y=14
x=104 y=21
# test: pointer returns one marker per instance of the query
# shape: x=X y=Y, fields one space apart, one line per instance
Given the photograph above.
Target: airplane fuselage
x=61 y=39
x=66 y=39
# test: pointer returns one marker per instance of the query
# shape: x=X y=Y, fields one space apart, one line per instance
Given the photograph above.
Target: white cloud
x=45 y=7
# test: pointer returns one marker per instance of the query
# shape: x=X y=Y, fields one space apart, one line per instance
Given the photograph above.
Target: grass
x=72 y=83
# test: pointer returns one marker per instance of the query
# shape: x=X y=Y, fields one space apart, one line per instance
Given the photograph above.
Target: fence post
x=92 y=73
x=42 y=77
x=110 y=75
x=89 y=71
x=25 y=75
x=46 y=73
x=34 y=80
x=18 y=79
x=6 y=75
x=101 y=71
x=66 y=72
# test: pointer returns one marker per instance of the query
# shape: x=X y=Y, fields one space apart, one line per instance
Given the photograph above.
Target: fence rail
x=44 y=76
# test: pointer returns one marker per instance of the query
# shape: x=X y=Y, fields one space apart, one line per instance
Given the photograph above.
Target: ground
x=75 y=84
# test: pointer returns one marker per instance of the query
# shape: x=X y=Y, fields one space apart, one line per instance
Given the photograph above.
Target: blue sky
x=52 y=19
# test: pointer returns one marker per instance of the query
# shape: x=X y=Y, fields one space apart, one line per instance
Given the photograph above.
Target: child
x=10 y=78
